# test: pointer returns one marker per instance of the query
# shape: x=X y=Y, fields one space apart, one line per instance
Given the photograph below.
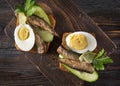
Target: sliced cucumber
x=87 y=57
x=45 y=35
x=41 y=13
x=89 y=77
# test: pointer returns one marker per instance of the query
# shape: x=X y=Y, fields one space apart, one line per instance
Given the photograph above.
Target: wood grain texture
x=17 y=70
x=13 y=71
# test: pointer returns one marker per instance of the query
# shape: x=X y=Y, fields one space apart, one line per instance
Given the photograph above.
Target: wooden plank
x=106 y=17
x=69 y=18
x=18 y=71
x=15 y=69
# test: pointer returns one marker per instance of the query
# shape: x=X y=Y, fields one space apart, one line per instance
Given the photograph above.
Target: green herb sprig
x=27 y=8
x=101 y=59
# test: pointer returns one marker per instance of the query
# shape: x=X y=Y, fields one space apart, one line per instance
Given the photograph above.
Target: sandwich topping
x=24 y=37
x=81 y=42
x=34 y=27
x=23 y=33
x=78 y=41
x=78 y=56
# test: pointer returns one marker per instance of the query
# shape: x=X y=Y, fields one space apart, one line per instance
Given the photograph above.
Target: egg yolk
x=23 y=33
x=78 y=41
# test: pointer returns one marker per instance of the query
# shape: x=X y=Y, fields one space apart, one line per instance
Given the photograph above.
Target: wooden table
x=17 y=70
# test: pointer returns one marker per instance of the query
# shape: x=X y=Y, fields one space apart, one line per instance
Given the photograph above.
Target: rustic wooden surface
x=15 y=69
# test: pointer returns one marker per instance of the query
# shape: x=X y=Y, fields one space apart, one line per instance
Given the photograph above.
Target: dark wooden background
x=17 y=70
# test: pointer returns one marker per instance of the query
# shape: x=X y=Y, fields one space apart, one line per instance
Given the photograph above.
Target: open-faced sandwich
x=78 y=55
x=34 y=27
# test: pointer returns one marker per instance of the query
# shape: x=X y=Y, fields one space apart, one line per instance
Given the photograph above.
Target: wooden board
x=69 y=18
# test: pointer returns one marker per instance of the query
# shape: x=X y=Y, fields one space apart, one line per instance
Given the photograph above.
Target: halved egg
x=81 y=42
x=24 y=37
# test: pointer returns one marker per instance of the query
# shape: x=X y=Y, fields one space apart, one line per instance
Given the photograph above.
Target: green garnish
x=101 y=59
x=30 y=8
x=89 y=77
x=100 y=53
x=29 y=4
x=98 y=60
x=27 y=8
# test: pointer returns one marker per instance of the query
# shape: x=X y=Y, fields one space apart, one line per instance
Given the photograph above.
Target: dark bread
x=64 y=40
x=66 y=47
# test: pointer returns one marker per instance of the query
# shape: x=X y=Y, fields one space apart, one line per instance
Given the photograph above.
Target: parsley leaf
x=100 y=53
x=27 y=8
x=19 y=8
x=98 y=65
x=101 y=59
x=31 y=11
x=27 y=4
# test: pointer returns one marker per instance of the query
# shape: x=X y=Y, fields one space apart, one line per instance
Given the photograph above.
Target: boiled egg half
x=81 y=42
x=24 y=37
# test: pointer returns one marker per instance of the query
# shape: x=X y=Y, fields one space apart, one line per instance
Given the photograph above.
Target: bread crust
x=66 y=47
x=64 y=40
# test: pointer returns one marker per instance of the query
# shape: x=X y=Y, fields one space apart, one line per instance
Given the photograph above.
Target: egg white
x=24 y=45
x=92 y=43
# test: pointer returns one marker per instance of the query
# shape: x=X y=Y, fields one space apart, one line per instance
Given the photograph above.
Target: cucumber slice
x=45 y=35
x=89 y=77
x=87 y=57
x=42 y=14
